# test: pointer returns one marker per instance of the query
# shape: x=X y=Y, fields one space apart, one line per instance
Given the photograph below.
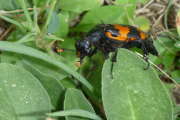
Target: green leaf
x=177 y=44
x=176 y=110
x=78 y=5
x=166 y=12
x=163 y=43
x=142 y=23
x=10 y=57
x=107 y=14
x=63 y=29
x=25 y=38
x=54 y=23
x=133 y=93
x=74 y=99
x=168 y=59
x=9 y=5
x=50 y=84
x=11 y=21
x=6 y=46
x=68 y=82
x=175 y=74
x=76 y=112
x=177 y=80
x=130 y=9
x=35 y=18
x=22 y=95
x=49 y=68
x=49 y=17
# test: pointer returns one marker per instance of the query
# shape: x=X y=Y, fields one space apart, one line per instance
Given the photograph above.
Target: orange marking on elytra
x=143 y=35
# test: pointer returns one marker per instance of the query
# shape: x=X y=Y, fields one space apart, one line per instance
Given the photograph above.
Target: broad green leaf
x=177 y=80
x=142 y=23
x=48 y=68
x=93 y=76
x=133 y=93
x=50 y=84
x=76 y=112
x=54 y=23
x=168 y=59
x=74 y=99
x=130 y=9
x=78 y=5
x=10 y=57
x=177 y=44
x=6 y=46
x=175 y=74
x=63 y=29
x=68 y=82
x=21 y=95
x=105 y=14
x=8 y=5
x=176 y=110
x=162 y=44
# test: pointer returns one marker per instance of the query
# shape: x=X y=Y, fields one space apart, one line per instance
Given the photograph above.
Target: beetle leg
x=145 y=55
x=94 y=65
x=112 y=65
x=94 y=51
x=105 y=53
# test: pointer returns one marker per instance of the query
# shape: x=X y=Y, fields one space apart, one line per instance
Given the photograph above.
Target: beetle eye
x=77 y=43
x=113 y=35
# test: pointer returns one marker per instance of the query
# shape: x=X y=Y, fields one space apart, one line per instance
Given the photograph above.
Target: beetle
x=109 y=37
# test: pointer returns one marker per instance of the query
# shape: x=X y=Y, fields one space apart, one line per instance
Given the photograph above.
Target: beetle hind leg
x=146 y=59
x=145 y=55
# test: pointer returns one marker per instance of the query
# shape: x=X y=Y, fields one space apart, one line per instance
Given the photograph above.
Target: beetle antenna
x=62 y=49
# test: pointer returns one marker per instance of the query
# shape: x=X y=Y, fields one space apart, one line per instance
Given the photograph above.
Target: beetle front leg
x=94 y=51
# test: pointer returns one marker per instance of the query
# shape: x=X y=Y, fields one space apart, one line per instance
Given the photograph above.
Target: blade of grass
x=25 y=38
x=18 y=48
x=35 y=17
x=166 y=13
x=25 y=26
x=49 y=17
x=26 y=13
x=11 y=21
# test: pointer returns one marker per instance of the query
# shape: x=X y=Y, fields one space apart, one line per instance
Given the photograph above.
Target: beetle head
x=83 y=48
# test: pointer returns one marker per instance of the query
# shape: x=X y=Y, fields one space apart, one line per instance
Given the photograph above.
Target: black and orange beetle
x=109 y=37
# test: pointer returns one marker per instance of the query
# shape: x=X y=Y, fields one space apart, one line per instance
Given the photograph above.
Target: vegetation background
x=37 y=82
